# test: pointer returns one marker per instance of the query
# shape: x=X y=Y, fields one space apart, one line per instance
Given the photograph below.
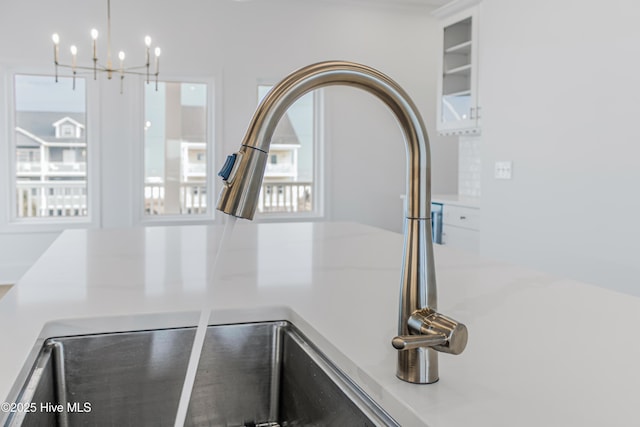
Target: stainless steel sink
x=255 y=374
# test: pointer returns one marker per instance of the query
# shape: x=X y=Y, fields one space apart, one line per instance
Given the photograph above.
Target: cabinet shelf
x=459 y=93
x=464 y=69
x=463 y=48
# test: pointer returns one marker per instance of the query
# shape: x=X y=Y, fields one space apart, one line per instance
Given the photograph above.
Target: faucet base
x=418 y=366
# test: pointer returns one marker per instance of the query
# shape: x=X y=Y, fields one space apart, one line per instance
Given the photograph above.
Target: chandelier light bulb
x=56 y=41
x=121 y=55
x=74 y=58
x=94 y=34
x=147 y=41
x=157 y=51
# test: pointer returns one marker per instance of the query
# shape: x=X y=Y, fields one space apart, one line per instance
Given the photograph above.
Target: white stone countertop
x=456 y=200
x=542 y=351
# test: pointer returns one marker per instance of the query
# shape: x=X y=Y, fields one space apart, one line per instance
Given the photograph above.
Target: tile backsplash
x=469 y=166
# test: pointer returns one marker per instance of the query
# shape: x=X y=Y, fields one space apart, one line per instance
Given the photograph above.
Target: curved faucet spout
x=243 y=173
x=292 y=87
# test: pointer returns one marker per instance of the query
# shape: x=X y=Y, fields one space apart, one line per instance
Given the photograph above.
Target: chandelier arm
x=130 y=70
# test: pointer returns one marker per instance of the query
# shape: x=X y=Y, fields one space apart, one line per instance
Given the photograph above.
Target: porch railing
x=69 y=198
x=51 y=167
x=191 y=200
x=51 y=198
x=285 y=197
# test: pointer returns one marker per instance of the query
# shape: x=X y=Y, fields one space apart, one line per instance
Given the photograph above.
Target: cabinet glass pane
x=457 y=68
x=456 y=108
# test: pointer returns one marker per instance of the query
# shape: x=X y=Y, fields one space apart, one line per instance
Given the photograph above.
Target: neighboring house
x=50 y=149
x=194 y=161
x=51 y=164
x=51 y=168
x=281 y=191
x=177 y=185
x=193 y=178
x=282 y=164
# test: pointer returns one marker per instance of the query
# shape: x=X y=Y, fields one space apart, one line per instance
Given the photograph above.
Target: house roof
x=26 y=141
x=193 y=127
x=40 y=124
x=68 y=119
x=285 y=134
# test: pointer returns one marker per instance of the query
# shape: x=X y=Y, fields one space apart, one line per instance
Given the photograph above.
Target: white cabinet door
x=458 y=77
x=461 y=238
x=461 y=227
x=461 y=216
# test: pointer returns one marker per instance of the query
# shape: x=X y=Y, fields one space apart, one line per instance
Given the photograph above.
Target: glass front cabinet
x=458 y=110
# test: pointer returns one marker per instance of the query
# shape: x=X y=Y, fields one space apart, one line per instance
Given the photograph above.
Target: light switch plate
x=503 y=169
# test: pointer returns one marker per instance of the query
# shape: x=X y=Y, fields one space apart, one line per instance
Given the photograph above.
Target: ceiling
x=415 y=2
x=430 y=3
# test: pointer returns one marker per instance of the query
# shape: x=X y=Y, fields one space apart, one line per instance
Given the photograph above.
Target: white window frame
x=9 y=220
x=213 y=127
x=318 y=211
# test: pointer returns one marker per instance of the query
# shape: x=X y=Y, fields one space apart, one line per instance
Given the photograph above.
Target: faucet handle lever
x=408 y=342
x=225 y=172
x=434 y=330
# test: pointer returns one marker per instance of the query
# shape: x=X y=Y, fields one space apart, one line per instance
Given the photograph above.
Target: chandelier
x=109 y=68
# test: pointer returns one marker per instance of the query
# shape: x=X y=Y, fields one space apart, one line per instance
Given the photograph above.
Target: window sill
x=288 y=217
x=164 y=220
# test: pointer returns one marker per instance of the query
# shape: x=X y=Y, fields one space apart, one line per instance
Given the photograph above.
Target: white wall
x=236 y=44
x=560 y=88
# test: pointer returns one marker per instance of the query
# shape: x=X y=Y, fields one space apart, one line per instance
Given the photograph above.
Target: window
x=68 y=131
x=176 y=147
x=290 y=183
x=50 y=178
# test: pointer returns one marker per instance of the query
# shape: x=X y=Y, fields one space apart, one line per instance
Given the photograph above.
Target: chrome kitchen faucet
x=421 y=330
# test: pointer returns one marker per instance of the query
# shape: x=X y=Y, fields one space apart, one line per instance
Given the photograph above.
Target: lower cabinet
x=461 y=227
